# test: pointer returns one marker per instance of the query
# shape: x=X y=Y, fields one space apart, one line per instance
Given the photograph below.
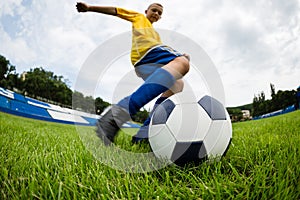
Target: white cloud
x=16 y=48
x=9 y=7
x=252 y=43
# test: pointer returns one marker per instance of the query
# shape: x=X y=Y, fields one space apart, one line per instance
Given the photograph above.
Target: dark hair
x=158 y=4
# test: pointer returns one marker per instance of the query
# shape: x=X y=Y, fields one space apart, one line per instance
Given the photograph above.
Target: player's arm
x=83 y=7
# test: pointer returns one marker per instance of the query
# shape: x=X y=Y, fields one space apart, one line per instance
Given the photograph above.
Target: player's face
x=154 y=13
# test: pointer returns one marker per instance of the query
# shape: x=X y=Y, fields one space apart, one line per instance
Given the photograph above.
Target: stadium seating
x=17 y=104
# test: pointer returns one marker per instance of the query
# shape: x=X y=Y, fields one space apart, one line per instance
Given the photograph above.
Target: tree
x=38 y=82
x=259 y=105
x=42 y=83
x=4 y=66
x=100 y=105
x=13 y=81
x=89 y=104
x=286 y=98
x=273 y=92
x=35 y=83
x=140 y=116
x=280 y=100
x=235 y=114
x=7 y=73
x=77 y=100
x=62 y=94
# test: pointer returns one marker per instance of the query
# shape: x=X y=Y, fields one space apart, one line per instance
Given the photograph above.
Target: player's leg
x=157 y=83
x=109 y=124
x=142 y=134
x=161 y=80
x=178 y=67
x=176 y=88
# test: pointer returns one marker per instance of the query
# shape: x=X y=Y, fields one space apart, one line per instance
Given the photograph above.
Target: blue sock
x=143 y=132
x=157 y=83
x=158 y=101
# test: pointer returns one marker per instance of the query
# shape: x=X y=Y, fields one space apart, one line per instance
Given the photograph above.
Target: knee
x=185 y=63
x=178 y=86
x=178 y=67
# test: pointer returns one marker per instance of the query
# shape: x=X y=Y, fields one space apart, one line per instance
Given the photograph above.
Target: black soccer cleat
x=142 y=135
x=110 y=122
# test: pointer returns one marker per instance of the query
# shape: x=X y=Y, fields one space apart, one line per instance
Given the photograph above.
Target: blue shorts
x=155 y=58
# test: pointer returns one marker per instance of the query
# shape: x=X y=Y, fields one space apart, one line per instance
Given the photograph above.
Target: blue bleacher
x=17 y=104
x=92 y=121
x=19 y=97
x=37 y=102
x=27 y=108
x=4 y=102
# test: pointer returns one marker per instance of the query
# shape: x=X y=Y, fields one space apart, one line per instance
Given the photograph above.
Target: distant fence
x=278 y=112
x=17 y=104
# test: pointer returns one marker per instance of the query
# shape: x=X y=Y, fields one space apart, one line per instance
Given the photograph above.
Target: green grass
x=41 y=160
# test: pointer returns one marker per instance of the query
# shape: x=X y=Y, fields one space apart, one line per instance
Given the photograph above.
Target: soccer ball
x=190 y=131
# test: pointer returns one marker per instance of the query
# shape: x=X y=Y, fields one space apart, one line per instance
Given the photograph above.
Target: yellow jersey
x=144 y=37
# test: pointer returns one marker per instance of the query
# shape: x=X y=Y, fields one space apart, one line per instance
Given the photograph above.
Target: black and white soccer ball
x=190 y=131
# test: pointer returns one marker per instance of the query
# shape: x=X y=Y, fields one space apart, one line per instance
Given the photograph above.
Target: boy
x=158 y=65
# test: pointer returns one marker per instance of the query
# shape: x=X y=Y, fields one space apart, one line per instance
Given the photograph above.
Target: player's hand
x=82 y=7
x=187 y=56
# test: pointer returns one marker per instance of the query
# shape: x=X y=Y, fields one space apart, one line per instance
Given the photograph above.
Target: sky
x=251 y=43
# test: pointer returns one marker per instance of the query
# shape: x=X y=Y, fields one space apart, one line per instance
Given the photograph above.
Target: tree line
x=280 y=100
x=260 y=105
x=46 y=86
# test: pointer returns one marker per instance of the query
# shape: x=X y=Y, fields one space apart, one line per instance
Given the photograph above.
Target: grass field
x=42 y=160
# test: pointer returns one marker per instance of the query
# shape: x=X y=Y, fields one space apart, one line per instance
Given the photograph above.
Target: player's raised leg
x=143 y=133
x=157 y=83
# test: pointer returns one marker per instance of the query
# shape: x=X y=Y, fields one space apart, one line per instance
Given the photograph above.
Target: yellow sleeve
x=128 y=15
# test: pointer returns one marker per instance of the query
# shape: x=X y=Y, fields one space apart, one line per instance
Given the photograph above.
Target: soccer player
x=160 y=66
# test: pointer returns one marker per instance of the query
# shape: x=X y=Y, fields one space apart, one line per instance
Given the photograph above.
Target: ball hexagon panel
x=213 y=134
x=162 y=141
x=222 y=144
x=188 y=122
